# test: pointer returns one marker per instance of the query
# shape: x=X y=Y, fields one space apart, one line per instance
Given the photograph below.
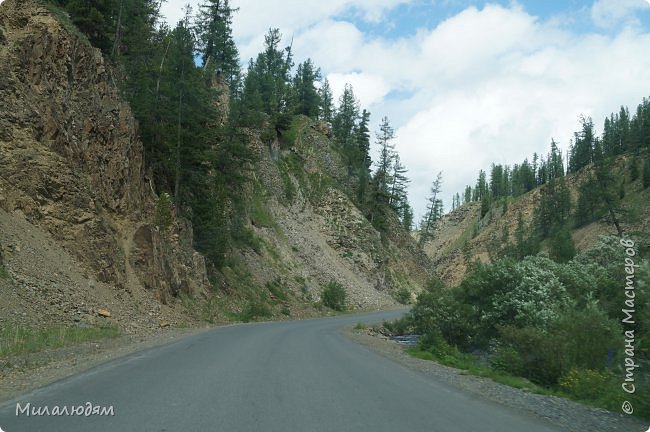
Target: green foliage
x=433 y=212
x=537 y=318
x=403 y=295
x=563 y=248
x=278 y=289
x=360 y=326
x=585 y=384
x=215 y=42
x=306 y=98
x=254 y=310
x=17 y=339
x=164 y=212
x=260 y=215
x=554 y=207
x=646 y=174
x=334 y=296
x=507 y=359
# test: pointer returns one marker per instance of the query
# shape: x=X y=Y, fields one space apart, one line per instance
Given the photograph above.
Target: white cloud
x=490 y=84
x=608 y=13
x=369 y=89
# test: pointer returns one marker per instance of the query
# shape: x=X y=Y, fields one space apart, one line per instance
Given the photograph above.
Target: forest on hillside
x=543 y=315
x=195 y=105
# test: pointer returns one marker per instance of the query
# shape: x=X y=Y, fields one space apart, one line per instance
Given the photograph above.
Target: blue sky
x=465 y=83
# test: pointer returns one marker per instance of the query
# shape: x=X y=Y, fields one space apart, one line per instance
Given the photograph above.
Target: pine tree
x=554 y=207
x=407 y=217
x=562 y=248
x=467 y=196
x=268 y=77
x=363 y=162
x=582 y=150
x=326 y=102
x=217 y=47
x=399 y=182
x=646 y=174
x=96 y=20
x=526 y=243
x=433 y=211
x=307 y=99
x=382 y=180
x=345 y=119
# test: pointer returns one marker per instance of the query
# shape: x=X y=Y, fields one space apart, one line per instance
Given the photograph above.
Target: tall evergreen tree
x=554 y=207
x=380 y=208
x=326 y=102
x=215 y=42
x=307 y=99
x=433 y=211
x=582 y=151
x=364 y=162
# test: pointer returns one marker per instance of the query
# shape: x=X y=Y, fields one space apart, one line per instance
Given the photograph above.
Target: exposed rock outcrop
x=72 y=162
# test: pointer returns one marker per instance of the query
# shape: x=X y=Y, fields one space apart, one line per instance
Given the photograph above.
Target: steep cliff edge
x=72 y=164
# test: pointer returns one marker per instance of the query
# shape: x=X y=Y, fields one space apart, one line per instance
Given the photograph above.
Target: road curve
x=301 y=376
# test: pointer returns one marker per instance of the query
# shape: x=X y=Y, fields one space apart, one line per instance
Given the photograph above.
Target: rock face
x=72 y=162
x=317 y=234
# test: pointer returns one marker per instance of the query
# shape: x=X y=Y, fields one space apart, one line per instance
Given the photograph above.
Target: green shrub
x=507 y=359
x=563 y=249
x=334 y=296
x=403 y=296
x=585 y=384
x=254 y=310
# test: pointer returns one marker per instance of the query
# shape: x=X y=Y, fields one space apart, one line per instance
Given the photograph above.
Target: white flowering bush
x=537 y=298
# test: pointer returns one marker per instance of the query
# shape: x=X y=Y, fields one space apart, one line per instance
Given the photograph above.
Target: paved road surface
x=298 y=376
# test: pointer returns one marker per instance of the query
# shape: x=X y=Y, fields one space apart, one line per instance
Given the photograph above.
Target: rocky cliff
x=72 y=163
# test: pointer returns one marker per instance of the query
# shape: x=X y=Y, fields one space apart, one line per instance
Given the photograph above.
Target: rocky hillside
x=463 y=236
x=72 y=171
x=311 y=234
x=79 y=239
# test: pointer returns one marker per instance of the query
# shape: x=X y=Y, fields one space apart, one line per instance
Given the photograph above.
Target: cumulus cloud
x=488 y=84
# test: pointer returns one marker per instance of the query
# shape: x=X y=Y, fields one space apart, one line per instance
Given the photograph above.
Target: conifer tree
x=307 y=99
x=326 y=102
x=219 y=53
x=433 y=211
x=382 y=179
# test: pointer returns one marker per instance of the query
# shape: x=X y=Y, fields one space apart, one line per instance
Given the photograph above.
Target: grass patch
x=4 y=274
x=254 y=310
x=472 y=366
x=261 y=216
x=360 y=326
x=278 y=289
x=16 y=340
x=468 y=234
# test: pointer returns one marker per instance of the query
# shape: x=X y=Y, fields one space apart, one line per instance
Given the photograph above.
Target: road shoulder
x=557 y=411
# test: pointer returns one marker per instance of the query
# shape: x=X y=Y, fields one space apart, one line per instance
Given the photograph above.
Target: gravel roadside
x=21 y=374
x=560 y=412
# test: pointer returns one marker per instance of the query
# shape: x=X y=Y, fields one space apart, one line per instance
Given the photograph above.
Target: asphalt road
x=284 y=376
